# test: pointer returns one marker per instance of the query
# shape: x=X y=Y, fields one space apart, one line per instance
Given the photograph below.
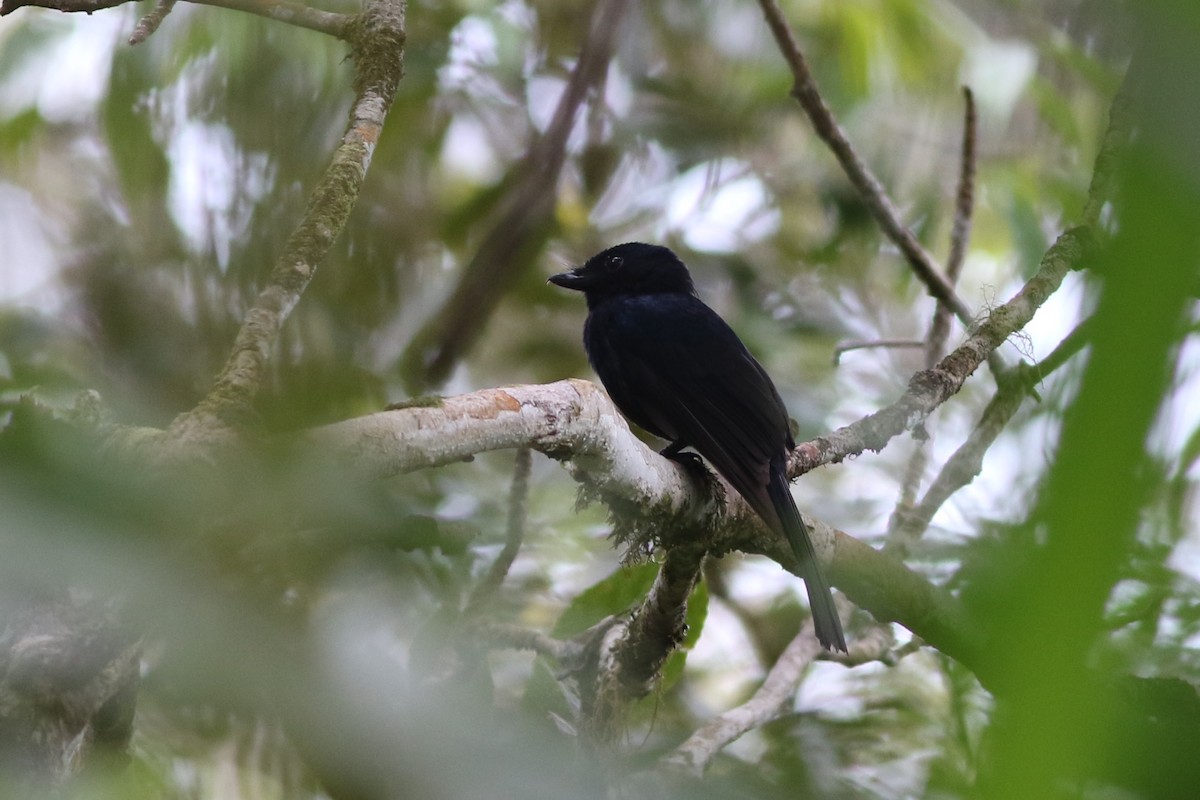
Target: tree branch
x=1116 y=138
x=939 y=326
x=930 y=388
x=967 y=462
x=518 y=506
x=869 y=188
x=660 y=623
x=378 y=50
x=570 y=420
x=573 y=420
x=869 y=344
x=517 y=234
x=148 y=24
x=636 y=650
x=68 y=686
x=772 y=699
x=333 y=24
x=518 y=638
x=910 y=522
x=341 y=26
x=960 y=231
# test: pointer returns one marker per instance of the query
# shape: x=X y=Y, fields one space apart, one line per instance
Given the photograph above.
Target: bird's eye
x=615 y=261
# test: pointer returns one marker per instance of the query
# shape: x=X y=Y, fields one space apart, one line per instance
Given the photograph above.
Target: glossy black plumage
x=675 y=368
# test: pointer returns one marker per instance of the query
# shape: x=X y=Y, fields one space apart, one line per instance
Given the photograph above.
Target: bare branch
x=66 y=6
x=570 y=419
x=378 y=40
x=871 y=190
x=964 y=203
x=960 y=231
x=517 y=234
x=574 y=420
x=930 y=388
x=771 y=700
x=865 y=344
x=1116 y=137
x=149 y=23
x=660 y=623
x=518 y=506
x=967 y=462
x=518 y=638
x=302 y=16
x=910 y=523
x=633 y=653
x=939 y=327
x=298 y=14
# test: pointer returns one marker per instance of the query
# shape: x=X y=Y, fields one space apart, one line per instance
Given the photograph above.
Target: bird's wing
x=676 y=368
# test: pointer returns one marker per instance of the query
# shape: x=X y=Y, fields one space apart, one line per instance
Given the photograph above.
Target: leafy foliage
x=294 y=618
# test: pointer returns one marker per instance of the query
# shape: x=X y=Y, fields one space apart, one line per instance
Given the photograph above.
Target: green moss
x=420 y=401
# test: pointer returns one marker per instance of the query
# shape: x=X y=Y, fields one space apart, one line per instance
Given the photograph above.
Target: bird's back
x=675 y=368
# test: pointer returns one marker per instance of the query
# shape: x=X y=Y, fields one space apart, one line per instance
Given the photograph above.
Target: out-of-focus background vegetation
x=146 y=191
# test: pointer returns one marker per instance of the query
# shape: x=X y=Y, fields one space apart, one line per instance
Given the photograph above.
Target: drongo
x=675 y=368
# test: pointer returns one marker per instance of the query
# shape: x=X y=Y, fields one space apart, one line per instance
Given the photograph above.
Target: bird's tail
x=825 y=616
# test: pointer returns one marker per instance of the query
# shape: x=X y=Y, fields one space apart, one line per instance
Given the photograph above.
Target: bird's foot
x=691 y=462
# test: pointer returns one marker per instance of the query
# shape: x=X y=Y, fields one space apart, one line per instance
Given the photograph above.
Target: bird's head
x=632 y=268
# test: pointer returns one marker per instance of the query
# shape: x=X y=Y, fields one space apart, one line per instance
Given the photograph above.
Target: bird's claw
x=691 y=462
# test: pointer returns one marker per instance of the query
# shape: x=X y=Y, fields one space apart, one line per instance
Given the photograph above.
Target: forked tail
x=825 y=616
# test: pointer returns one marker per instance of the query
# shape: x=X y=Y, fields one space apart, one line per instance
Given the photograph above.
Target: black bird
x=678 y=370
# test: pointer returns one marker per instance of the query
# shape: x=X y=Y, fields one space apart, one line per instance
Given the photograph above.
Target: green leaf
x=612 y=595
x=545 y=694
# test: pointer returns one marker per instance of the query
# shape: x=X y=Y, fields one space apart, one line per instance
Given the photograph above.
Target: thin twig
x=518 y=507
x=334 y=24
x=964 y=205
x=865 y=344
x=939 y=326
x=518 y=638
x=909 y=522
x=1116 y=137
x=960 y=231
x=149 y=23
x=298 y=14
x=930 y=388
x=910 y=484
x=874 y=197
x=874 y=642
x=771 y=700
x=967 y=461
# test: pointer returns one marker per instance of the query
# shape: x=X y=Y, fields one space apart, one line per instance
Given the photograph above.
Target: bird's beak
x=570 y=280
